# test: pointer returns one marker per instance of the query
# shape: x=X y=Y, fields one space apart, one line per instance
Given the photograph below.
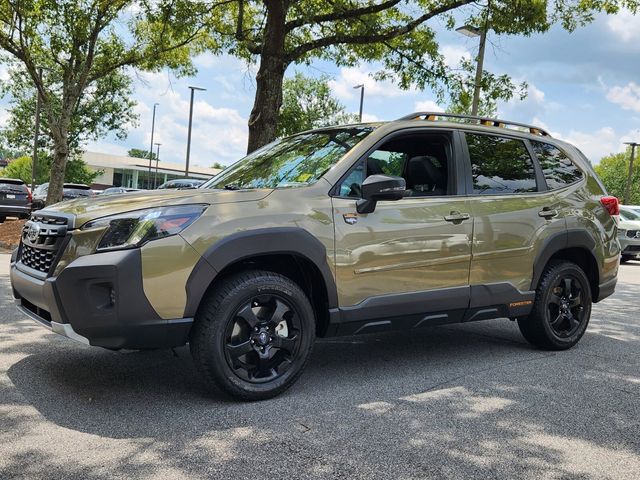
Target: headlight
x=133 y=229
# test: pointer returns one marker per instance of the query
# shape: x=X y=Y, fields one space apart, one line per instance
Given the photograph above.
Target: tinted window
x=558 y=169
x=500 y=165
x=421 y=159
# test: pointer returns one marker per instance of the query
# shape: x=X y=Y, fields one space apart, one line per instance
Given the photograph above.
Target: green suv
x=427 y=220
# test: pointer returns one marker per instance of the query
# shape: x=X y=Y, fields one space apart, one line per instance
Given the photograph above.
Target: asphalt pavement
x=460 y=401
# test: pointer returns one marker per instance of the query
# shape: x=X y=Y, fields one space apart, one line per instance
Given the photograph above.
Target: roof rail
x=489 y=122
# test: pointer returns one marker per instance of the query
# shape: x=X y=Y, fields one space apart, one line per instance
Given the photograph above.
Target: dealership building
x=131 y=172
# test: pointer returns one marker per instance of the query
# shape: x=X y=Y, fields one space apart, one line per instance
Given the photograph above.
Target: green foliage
x=218 y=165
x=613 y=170
x=140 y=153
x=77 y=170
x=307 y=103
x=492 y=89
x=84 y=48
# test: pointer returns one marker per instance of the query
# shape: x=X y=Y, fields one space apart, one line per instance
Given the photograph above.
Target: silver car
x=629 y=233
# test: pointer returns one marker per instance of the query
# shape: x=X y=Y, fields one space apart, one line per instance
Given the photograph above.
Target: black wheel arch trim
x=254 y=243
x=572 y=238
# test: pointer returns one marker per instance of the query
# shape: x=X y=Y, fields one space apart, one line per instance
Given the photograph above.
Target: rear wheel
x=561 y=310
x=253 y=335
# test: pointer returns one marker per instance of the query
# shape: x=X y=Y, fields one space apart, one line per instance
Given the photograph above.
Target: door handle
x=547 y=212
x=457 y=217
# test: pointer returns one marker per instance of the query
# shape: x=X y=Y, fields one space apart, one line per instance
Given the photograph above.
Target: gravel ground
x=462 y=401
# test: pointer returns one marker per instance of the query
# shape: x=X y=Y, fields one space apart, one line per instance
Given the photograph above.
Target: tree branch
x=342 y=15
x=338 y=39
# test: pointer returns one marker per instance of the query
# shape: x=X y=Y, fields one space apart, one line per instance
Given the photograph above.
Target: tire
x=561 y=311
x=2 y=219
x=253 y=335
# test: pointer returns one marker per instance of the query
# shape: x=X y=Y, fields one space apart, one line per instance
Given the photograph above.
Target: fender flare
x=254 y=243
x=574 y=238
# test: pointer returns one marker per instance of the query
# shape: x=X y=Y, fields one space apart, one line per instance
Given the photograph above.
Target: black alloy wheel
x=263 y=338
x=566 y=312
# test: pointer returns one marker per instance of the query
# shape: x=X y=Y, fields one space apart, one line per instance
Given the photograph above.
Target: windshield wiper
x=231 y=186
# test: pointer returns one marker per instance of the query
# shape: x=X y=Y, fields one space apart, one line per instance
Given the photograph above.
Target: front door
x=411 y=256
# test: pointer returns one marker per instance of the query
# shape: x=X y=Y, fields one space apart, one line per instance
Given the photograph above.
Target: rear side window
x=559 y=171
x=500 y=165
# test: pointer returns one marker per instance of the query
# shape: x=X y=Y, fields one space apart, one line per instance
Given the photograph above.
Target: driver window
x=421 y=159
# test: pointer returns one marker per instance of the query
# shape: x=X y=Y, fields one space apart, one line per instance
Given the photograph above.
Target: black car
x=181 y=183
x=15 y=199
x=69 y=192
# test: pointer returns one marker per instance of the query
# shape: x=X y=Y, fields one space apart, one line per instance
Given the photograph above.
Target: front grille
x=41 y=242
x=633 y=233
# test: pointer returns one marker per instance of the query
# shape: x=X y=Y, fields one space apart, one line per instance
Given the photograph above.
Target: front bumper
x=629 y=246
x=99 y=300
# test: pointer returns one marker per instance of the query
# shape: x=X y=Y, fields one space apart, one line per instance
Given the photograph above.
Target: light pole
x=155 y=177
x=36 y=134
x=361 y=87
x=471 y=31
x=627 y=191
x=193 y=89
x=153 y=126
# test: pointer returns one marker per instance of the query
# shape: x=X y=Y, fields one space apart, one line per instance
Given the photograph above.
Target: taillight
x=611 y=204
x=29 y=195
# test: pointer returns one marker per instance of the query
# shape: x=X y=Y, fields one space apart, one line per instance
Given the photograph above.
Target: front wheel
x=253 y=335
x=561 y=310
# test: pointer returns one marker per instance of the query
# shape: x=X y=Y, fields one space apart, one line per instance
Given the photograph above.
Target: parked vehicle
x=112 y=190
x=15 y=199
x=181 y=184
x=629 y=233
x=336 y=231
x=70 y=191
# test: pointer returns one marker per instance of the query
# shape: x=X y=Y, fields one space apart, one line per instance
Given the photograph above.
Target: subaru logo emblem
x=33 y=232
x=637 y=233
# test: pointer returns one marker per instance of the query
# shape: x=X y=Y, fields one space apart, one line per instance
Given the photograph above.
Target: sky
x=584 y=87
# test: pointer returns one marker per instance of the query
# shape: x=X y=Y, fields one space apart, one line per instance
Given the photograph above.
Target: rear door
x=514 y=214
x=13 y=192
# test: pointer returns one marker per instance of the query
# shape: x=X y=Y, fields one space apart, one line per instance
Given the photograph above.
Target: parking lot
x=461 y=401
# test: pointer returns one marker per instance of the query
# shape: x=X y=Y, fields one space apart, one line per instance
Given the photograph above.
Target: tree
x=140 y=153
x=492 y=88
x=77 y=170
x=307 y=103
x=218 y=166
x=82 y=48
x=394 y=33
x=613 y=170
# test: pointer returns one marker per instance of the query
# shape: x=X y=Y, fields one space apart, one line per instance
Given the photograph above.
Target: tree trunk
x=268 y=100
x=59 y=166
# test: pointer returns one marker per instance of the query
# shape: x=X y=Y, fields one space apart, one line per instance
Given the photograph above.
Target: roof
x=105 y=160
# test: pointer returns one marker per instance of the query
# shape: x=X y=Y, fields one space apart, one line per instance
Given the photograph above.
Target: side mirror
x=380 y=187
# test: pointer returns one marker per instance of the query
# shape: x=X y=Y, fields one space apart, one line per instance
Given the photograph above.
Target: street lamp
x=155 y=177
x=472 y=31
x=361 y=87
x=193 y=89
x=153 y=126
x=627 y=191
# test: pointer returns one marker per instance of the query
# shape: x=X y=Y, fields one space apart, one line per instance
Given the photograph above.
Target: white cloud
x=453 y=54
x=600 y=143
x=625 y=25
x=349 y=77
x=368 y=117
x=427 y=106
x=628 y=96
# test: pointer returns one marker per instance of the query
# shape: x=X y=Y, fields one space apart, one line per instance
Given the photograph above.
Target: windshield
x=629 y=215
x=291 y=162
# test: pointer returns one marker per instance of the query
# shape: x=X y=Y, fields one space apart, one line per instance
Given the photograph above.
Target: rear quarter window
x=558 y=169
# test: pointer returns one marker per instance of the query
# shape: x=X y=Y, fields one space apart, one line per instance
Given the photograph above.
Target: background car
x=69 y=192
x=15 y=199
x=112 y=190
x=629 y=233
x=182 y=183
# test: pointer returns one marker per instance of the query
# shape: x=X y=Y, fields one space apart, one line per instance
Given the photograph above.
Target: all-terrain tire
x=222 y=317
x=542 y=327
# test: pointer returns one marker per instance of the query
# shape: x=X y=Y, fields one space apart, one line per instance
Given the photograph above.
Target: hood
x=86 y=209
